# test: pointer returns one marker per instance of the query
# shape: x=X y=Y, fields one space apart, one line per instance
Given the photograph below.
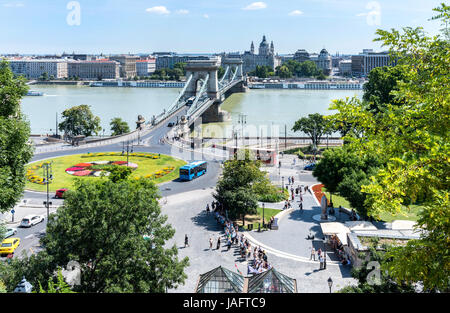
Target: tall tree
x=119 y=126
x=314 y=126
x=101 y=226
x=412 y=141
x=15 y=151
x=235 y=189
x=79 y=120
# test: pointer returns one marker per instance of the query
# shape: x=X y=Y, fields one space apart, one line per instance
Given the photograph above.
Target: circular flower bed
x=33 y=177
x=96 y=168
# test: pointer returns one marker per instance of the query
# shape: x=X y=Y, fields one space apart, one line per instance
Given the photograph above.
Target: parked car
x=31 y=220
x=9 y=246
x=310 y=167
x=60 y=193
x=10 y=232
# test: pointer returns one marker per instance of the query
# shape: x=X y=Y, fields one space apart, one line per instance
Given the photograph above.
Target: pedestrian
x=301 y=206
x=321 y=262
x=207 y=208
x=289 y=179
x=319 y=253
x=293 y=196
x=293 y=180
x=210 y=243
x=313 y=254
x=186 y=241
x=301 y=198
x=279 y=163
x=218 y=243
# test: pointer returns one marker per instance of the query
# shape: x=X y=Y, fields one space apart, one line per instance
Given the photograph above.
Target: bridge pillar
x=234 y=62
x=199 y=69
x=214 y=114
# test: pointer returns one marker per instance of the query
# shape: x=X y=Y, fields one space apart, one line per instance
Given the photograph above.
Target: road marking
x=29 y=236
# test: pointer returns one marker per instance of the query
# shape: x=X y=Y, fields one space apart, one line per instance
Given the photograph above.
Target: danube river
x=261 y=107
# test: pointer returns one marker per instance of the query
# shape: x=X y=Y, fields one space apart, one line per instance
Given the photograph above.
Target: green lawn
x=410 y=214
x=257 y=218
x=61 y=179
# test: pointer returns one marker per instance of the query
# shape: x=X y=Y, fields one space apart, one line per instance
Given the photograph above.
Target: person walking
x=289 y=180
x=313 y=254
x=186 y=241
x=218 y=243
x=300 y=206
x=210 y=243
x=207 y=209
x=292 y=179
x=321 y=262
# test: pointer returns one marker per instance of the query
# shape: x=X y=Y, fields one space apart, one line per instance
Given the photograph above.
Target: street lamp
x=263 y=214
x=129 y=149
x=48 y=177
x=282 y=184
x=330 y=283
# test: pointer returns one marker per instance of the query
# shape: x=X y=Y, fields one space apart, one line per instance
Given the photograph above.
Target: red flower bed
x=74 y=169
x=82 y=173
x=83 y=165
x=317 y=189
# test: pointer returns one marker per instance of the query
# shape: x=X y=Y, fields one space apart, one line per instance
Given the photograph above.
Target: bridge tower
x=201 y=70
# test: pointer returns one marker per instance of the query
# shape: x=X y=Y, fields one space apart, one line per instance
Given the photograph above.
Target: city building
x=345 y=67
x=96 y=70
x=265 y=57
x=145 y=67
x=364 y=62
x=127 y=65
x=301 y=55
x=35 y=68
x=323 y=61
x=169 y=60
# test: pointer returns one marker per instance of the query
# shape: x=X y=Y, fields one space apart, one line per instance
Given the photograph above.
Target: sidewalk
x=29 y=209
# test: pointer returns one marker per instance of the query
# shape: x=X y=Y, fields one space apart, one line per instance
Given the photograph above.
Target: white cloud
x=158 y=10
x=255 y=6
x=205 y=15
x=296 y=13
x=182 y=11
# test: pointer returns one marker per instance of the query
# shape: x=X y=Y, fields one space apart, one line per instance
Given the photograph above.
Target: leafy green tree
x=283 y=72
x=79 y=120
x=119 y=126
x=412 y=140
x=382 y=82
x=181 y=66
x=59 y=287
x=101 y=226
x=308 y=69
x=220 y=72
x=235 y=189
x=15 y=151
x=314 y=126
x=44 y=76
x=321 y=76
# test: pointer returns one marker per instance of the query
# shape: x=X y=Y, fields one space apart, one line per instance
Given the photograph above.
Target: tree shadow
x=207 y=221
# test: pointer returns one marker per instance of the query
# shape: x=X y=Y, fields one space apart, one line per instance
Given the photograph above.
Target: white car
x=31 y=220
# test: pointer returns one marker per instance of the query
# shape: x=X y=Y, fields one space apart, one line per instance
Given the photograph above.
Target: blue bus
x=193 y=170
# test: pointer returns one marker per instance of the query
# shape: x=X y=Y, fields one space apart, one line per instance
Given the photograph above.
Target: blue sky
x=204 y=26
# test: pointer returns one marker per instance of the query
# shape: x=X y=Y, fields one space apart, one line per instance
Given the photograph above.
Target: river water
x=261 y=107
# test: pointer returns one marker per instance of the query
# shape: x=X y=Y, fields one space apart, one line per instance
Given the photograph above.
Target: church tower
x=272 y=48
x=252 y=48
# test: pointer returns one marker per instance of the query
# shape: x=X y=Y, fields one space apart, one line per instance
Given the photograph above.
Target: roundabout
x=65 y=169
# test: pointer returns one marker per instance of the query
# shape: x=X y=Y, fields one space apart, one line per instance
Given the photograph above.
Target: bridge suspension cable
x=175 y=105
x=225 y=75
x=199 y=95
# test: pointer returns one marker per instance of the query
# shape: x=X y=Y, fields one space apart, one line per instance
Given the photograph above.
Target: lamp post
x=129 y=149
x=282 y=183
x=48 y=177
x=263 y=214
x=330 y=283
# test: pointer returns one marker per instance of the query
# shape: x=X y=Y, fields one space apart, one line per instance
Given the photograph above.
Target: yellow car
x=9 y=245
